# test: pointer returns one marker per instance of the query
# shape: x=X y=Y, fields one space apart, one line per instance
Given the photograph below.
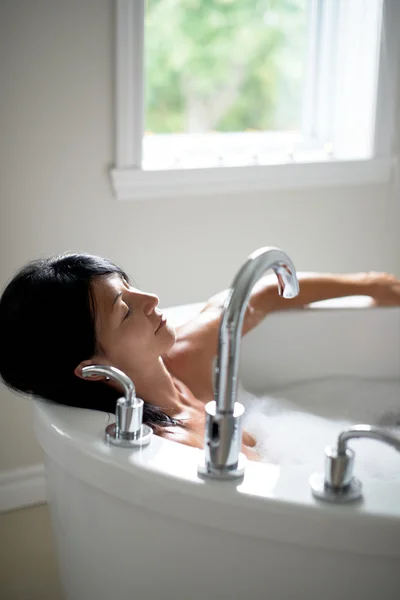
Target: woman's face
x=131 y=332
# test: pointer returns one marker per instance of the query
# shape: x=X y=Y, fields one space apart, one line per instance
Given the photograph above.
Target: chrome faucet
x=337 y=483
x=128 y=430
x=223 y=432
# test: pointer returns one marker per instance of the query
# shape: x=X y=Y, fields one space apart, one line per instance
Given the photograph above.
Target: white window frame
x=131 y=182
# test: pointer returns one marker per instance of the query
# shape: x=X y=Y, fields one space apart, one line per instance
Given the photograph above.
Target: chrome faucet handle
x=337 y=483
x=128 y=430
x=112 y=373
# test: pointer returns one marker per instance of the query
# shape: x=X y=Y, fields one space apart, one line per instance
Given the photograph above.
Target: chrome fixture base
x=223 y=441
x=142 y=438
x=321 y=491
x=223 y=472
x=337 y=483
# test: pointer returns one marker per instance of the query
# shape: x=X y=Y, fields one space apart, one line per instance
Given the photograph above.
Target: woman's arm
x=382 y=288
x=197 y=340
x=314 y=287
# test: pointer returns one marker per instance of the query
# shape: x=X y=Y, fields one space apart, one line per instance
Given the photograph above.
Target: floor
x=28 y=568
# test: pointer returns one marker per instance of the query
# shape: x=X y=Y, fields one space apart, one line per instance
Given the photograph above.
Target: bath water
x=294 y=424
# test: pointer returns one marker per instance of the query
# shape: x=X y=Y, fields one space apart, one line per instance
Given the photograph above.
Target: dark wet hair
x=47 y=327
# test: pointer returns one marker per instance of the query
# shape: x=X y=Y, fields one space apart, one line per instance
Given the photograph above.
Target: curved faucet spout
x=234 y=310
x=223 y=434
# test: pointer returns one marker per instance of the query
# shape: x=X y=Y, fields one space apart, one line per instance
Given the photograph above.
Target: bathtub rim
x=297 y=518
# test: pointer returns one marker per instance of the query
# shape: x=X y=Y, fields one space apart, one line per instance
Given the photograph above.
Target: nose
x=150 y=301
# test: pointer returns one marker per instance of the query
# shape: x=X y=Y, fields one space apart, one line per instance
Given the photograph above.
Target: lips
x=161 y=324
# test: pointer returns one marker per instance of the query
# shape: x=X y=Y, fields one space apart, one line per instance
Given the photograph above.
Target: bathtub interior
x=307 y=375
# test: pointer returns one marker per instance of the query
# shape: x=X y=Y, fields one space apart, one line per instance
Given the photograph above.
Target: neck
x=156 y=386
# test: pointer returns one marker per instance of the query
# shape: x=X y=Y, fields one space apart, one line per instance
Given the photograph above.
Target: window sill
x=137 y=185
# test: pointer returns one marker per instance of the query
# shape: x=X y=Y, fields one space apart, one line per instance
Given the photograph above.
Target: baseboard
x=22 y=487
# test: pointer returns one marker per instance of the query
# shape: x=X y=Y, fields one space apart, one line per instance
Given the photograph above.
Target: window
x=234 y=95
x=224 y=81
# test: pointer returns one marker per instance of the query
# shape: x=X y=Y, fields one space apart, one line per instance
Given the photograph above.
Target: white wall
x=56 y=144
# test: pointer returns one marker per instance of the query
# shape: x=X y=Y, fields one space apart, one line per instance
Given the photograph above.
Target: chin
x=168 y=334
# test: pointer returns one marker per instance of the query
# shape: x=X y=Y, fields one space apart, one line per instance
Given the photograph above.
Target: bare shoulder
x=191 y=357
x=201 y=331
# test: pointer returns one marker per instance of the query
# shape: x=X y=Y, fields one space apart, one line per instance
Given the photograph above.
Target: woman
x=60 y=314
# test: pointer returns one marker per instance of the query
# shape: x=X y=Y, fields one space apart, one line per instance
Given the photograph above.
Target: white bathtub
x=141 y=524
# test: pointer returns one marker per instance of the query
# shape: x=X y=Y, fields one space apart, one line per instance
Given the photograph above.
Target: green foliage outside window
x=224 y=65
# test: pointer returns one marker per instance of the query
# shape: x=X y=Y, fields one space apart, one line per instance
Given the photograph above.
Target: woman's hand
x=385 y=288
